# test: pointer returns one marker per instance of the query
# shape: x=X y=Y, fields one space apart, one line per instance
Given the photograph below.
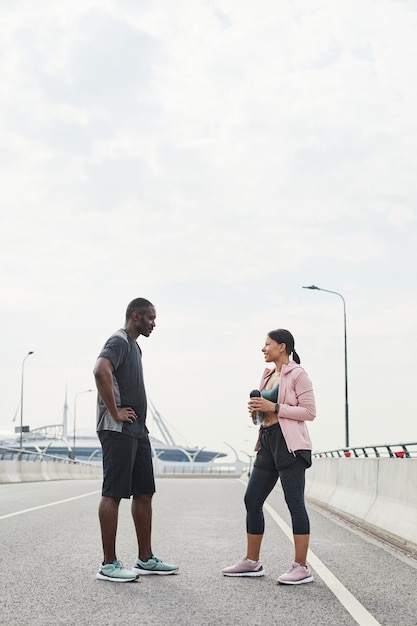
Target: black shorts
x=127 y=465
x=273 y=453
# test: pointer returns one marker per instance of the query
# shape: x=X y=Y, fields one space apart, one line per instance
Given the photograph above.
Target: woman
x=284 y=447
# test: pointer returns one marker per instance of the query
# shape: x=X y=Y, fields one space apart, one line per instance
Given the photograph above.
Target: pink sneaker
x=296 y=575
x=244 y=568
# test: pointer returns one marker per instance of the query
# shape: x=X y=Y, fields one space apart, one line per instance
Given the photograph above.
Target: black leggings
x=260 y=485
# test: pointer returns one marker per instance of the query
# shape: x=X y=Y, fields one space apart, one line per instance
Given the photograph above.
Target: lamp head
x=312 y=287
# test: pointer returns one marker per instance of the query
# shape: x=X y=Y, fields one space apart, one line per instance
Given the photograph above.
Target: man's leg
x=142 y=517
x=116 y=485
x=108 y=513
x=147 y=563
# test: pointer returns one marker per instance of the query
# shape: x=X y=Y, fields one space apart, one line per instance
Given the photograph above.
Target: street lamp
x=250 y=457
x=21 y=399
x=75 y=418
x=346 y=372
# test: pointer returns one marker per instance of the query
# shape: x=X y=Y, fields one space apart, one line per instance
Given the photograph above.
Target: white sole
x=116 y=580
x=246 y=574
x=309 y=579
x=143 y=572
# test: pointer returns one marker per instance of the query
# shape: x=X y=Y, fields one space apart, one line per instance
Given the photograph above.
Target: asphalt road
x=50 y=550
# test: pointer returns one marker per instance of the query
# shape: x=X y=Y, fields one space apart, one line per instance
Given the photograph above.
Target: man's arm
x=103 y=373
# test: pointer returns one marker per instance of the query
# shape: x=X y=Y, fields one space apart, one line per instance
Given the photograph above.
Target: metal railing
x=161 y=469
x=198 y=469
x=396 y=450
x=17 y=454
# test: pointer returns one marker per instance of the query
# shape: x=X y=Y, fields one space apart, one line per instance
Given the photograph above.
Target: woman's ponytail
x=284 y=336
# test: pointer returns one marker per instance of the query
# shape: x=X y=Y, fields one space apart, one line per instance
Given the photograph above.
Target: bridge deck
x=51 y=548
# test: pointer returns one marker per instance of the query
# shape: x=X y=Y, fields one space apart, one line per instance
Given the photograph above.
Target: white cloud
x=214 y=157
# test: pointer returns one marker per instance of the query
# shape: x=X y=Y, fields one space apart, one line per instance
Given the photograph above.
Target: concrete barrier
x=14 y=471
x=379 y=494
x=321 y=480
x=356 y=488
x=63 y=471
x=29 y=471
x=395 y=508
x=4 y=475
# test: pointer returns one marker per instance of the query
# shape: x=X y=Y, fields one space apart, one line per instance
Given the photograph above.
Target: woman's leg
x=293 y=484
x=301 y=548
x=253 y=548
x=259 y=487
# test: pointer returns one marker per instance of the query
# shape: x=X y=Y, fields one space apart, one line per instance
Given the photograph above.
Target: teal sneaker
x=116 y=573
x=153 y=566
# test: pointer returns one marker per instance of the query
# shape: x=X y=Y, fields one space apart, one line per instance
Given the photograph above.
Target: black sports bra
x=270 y=394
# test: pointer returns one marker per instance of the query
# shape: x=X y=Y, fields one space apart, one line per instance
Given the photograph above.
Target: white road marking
x=348 y=600
x=351 y=604
x=44 y=506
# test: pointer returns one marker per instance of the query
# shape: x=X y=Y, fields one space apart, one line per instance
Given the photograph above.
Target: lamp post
x=75 y=418
x=250 y=457
x=21 y=399
x=346 y=371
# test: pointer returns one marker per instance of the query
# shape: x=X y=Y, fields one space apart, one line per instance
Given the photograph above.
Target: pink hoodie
x=296 y=405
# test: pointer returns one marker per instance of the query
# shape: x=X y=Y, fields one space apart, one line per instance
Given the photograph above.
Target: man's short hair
x=136 y=305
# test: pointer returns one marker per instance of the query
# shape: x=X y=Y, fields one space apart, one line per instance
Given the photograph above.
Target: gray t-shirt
x=128 y=385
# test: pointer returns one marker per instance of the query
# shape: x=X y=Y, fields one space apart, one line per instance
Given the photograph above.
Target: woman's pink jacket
x=296 y=405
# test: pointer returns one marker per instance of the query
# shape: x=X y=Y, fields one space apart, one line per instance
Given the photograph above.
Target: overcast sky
x=213 y=156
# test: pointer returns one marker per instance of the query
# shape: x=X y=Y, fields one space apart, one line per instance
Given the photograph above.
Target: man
x=127 y=457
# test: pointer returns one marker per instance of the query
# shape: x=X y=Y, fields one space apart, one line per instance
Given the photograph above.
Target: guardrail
x=189 y=470
x=396 y=450
x=377 y=494
x=18 y=465
x=17 y=454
